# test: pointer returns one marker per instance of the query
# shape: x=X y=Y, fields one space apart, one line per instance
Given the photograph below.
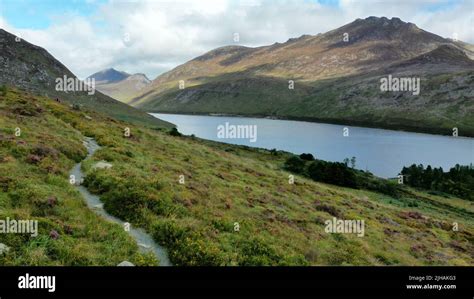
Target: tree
x=346 y=161
x=295 y=164
x=353 y=162
x=307 y=157
x=332 y=173
x=317 y=170
x=459 y=181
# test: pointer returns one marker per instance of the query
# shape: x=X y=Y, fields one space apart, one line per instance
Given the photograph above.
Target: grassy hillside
x=224 y=187
x=34 y=184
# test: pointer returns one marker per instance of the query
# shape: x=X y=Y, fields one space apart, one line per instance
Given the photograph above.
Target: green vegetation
x=459 y=181
x=37 y=150
x=174 y=132
x=208 y=203
x=307 y=157
x=340 y=174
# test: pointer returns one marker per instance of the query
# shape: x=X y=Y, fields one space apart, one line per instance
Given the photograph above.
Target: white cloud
x=154 y=36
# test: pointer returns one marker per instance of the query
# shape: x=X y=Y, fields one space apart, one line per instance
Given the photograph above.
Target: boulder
x=125 y=264
x=102 y=165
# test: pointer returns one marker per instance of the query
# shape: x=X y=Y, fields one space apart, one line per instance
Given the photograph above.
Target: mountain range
x=119 y=85
x=336 y=79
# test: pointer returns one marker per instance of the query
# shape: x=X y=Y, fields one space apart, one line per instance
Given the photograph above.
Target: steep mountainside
x=32 y=68
x=336 y=79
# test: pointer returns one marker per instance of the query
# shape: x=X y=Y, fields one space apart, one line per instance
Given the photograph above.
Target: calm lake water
x=383 y=152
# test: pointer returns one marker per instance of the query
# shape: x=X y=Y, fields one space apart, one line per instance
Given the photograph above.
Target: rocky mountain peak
x=109 y=75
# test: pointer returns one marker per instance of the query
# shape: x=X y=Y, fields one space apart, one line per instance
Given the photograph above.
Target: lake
x=382 y=152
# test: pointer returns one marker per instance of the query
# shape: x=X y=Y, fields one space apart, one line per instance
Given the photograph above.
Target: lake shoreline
x=362 y=124
x=372 y=147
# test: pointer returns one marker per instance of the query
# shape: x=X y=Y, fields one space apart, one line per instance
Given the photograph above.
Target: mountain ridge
x=19 y=57
x=118 y=84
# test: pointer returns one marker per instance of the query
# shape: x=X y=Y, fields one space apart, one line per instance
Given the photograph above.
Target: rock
x=102 y=165
x=88 y=117
x=144 y=245
x=4 y=248
x=389 y=221
x=98 y=206
x=125 y=264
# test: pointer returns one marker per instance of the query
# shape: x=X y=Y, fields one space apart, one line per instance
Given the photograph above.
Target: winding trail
x=145 y=241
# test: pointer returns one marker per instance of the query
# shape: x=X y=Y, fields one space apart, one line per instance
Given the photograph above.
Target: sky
x=154 y=36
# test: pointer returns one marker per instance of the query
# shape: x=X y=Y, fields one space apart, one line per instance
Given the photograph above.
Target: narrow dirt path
x=144 y=240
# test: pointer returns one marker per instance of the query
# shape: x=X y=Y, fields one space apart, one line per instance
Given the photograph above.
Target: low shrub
x=186 y=247
x=255 y=252
x=295 y=164
x=174 y=132
x=126 y=202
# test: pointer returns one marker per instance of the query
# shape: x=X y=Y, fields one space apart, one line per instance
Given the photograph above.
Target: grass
x=84 y=238
x=234 y=207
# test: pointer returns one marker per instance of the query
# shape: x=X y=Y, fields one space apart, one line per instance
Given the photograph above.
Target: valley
x=279 y=223
x=329 y=78
x=249 y=191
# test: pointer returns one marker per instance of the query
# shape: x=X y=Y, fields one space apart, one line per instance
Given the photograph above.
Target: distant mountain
x=31 y=68
x=109 y=76
x=336 y=79
x=120 y=85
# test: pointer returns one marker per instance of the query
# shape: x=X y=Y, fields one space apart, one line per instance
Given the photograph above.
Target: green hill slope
x=34 y=185
x=208 y=203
